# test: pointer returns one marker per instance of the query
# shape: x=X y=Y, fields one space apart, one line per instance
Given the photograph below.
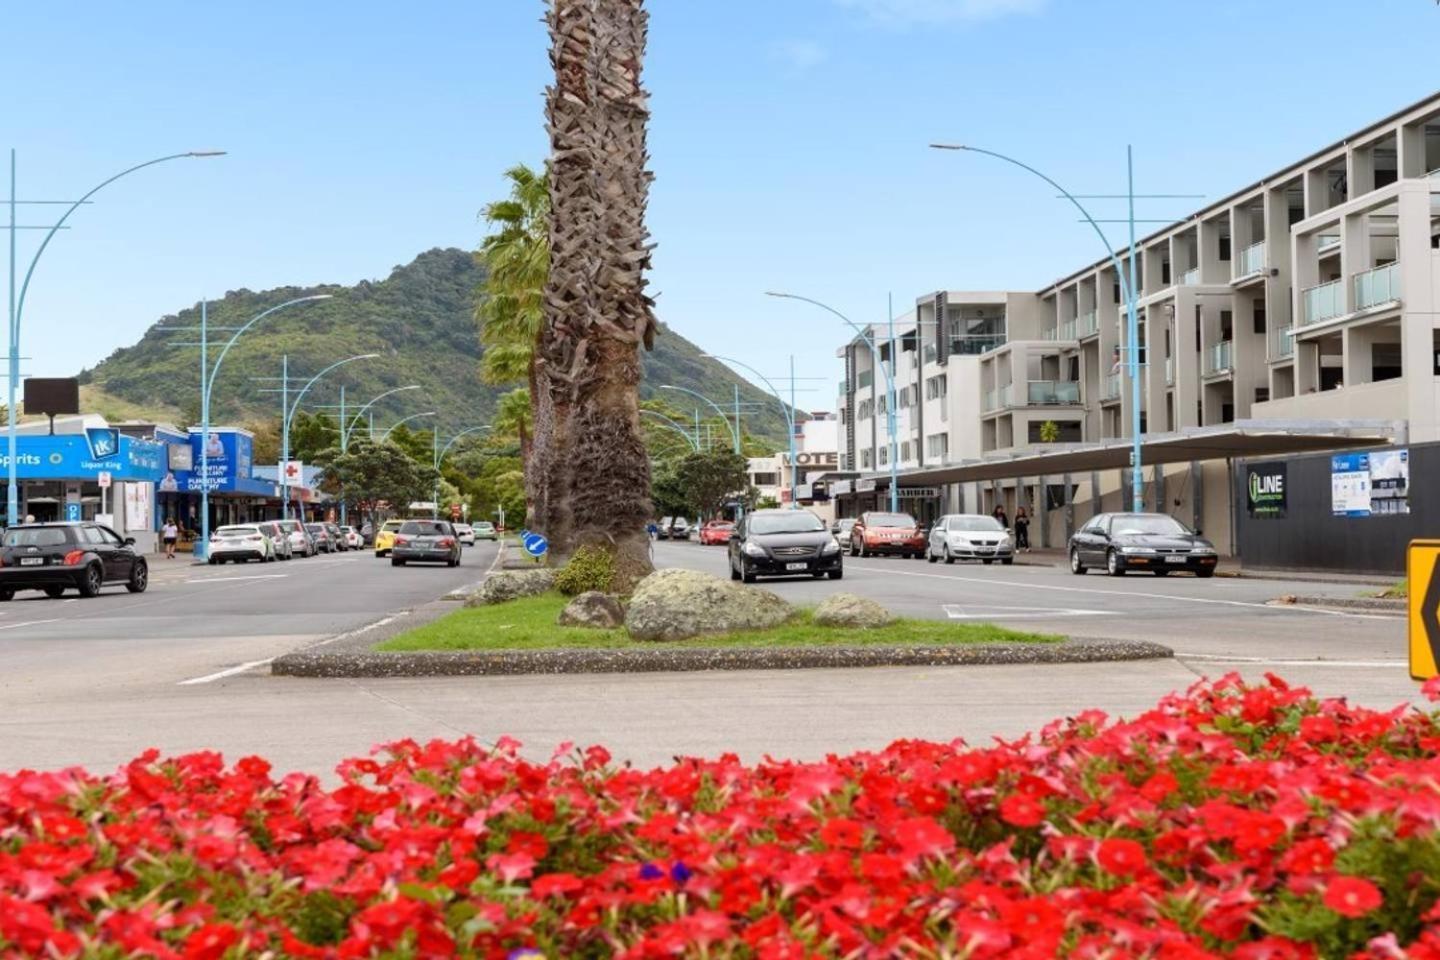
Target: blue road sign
x=535 y=545
x=72 y=512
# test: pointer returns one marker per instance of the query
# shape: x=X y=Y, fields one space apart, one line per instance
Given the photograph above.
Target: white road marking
x=1289 y=661
x=1293 y=608
x=956 y=611
x=258 y=576
x=29 y=623
x=359 y=630
x=222 y=674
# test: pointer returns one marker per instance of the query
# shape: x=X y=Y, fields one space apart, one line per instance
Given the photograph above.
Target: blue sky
x=789 y=142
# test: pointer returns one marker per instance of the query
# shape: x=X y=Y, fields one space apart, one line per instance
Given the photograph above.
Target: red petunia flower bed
x=1254 y=822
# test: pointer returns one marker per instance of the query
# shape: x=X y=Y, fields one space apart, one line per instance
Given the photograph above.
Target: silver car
x=278 y=538
x=300 y=543
x=241 y=543
x=969 y=536
x=841 y=529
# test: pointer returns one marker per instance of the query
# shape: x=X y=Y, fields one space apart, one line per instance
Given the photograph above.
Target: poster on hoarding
x=137 y=506
x=1265 y=490
x=1370 y=484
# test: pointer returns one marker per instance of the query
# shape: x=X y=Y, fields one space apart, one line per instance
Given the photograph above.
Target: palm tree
x=516 y=258
x=597 y=315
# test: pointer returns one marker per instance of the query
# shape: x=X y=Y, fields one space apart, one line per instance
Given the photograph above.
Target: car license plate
x=797 y=566
x=1175 y=558
x=31 y=561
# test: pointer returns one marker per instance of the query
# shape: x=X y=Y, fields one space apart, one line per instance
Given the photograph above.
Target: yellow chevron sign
x=1421 y=562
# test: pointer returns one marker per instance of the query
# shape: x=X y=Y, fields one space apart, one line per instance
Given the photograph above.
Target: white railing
x=1086 y=325
x=1218 y=358
x=1052 y=392
x=1190 y=277
x=1377 y=286
x=1067 y=330
x=1283 y=344
x=1111 y=390
x=1324 y=301
x=1251 y=260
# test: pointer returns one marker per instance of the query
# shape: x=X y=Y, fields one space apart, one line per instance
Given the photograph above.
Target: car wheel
x=734 y=574
x=1007 y=561
x=139 y=577
x=1161 y=572
x=396 y=562
x=949 y=557
x=836 y=574
x=930 y=556
x=6 y=595
x=1076 y=567
x=91 y=581
x=1205 y=573
x=987 y=562
x=1113 y=564
x=54 y=593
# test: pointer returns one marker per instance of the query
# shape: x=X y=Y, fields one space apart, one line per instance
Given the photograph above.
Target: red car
x=878 y=532
x=716 y=532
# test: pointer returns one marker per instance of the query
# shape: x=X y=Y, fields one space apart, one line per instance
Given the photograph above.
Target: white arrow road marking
x=222 y=674
x=956 y=611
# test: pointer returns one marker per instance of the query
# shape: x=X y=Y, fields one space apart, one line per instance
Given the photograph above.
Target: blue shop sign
x=85 y=457
x=223 y=462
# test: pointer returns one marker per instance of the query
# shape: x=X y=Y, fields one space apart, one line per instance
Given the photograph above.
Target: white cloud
x=800 y=54
x=905 y=12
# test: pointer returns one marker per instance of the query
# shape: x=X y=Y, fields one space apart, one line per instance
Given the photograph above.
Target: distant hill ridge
x=420 y=319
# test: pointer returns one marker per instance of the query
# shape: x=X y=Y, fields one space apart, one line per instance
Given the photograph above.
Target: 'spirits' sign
x=1265 y=490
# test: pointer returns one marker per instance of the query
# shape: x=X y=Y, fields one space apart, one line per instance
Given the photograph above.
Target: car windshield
x=790 y=521
x=393 y=525
x=428 y=528
x=236 y=531
x=484 y=526
x=975 y=524
x=889 y=520
x=36 y=537
x=1151 y=525
x=846 y=524
x=314 y=528
x=721 y=524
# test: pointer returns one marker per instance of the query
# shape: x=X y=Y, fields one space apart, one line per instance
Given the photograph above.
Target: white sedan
x=353 y=540
x=465 y=534
x=241 y=543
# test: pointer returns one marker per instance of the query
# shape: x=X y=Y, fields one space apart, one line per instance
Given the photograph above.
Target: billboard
x=81 y=457
x=1265 y=490
x=224 y=457
x=1370 y=484
x=52 y=396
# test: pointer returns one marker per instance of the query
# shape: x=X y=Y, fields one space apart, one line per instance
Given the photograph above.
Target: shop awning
x=1248 y=439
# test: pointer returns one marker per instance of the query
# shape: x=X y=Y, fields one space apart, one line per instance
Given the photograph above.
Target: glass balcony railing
x=1053 y=392
x=1050 y=333
x=1190 y=277
x=1111 y=389
x=1283 y=343
x=1067 y=330
x=1377 y=286
x=1086 y=325
x=1251 y=260
x=996 y=399
x=1324 y=301
x=864 y=379
x=972 y=344
x=1218 y=358
x=1169 y=369
x=1327 y=242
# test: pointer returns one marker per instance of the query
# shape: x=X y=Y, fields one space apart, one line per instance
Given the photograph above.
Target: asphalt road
x=183 y=667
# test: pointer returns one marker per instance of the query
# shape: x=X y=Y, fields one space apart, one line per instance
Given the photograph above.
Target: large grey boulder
x=593 y=609
x=848 y=610
x=511 y=585
x=677 y=604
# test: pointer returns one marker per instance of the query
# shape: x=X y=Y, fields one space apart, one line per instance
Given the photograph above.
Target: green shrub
x=590 y=568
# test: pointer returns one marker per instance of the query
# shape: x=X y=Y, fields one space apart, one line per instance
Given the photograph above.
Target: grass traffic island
x=521 y=637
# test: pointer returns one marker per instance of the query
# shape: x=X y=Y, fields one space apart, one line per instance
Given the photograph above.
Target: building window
x=867 y=409
x=866 y=459
x=935 y=387
x=884 y=456
x=765 y=479
x=937 y=445
x=903 y=398
x=882 y=405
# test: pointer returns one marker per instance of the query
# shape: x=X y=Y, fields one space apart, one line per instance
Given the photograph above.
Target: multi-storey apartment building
x=1302 y=307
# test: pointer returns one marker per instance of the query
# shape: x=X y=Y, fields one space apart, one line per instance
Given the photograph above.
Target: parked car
x=465 y=534
x=241 y=543
x=485 y=530
x=300 y=543
x=337 y=536
x=969 y=536
x=278 y=538
x=324 y=543
x=783 y=543
x=428 y=541
x=1120 y=542
x=662 y=530
x=367 y=533
x=385 y=537
x=55 y=557
x=353 y=540
x=841 y=528
x=716 y=532
x=679 y=529
x=877 y=532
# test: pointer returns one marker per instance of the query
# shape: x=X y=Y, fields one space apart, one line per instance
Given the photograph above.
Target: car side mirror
x=129 y=541
x=734 y=536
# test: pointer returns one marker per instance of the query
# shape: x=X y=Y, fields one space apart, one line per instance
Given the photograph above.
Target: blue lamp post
x=414 y=416
x=734 y=428
x=789 y=410
x=17 y=306
x=289 y=409
x=348 y=430
x=693 y=441
x=440 y=456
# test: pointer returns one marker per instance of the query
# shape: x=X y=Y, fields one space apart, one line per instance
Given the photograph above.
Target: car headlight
x=1203 y=551
x=753 y=549
x=830 y=548
x=1139 y=550
x=959 y=541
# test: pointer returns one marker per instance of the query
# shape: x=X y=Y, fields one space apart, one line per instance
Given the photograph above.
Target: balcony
x=1067 y=330
x=973 y=345
x=1086 y=325
x=997 y=399
x=1111 y=388
x=1324 y=301
x=864 y=379
x=1190 y=277
x=1050 y=333
x=1327 y=242
x=1251 y=261
x=1053 y=392
x=1219 y=358
x=1374 y=287
x=1282 y=344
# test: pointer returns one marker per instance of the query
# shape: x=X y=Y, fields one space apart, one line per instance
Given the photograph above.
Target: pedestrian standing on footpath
x=999 y=514
x=169 y=534
x=1022 y=529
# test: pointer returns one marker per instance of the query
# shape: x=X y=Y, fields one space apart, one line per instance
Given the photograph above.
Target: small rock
x=677 y=604
x=511 y=585
x=848 y=610
x=593 y=609
x=1288 y=598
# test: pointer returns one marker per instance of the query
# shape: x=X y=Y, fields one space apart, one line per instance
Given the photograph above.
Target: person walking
x=169 y=533
x=1022 y=529
x=999 y=514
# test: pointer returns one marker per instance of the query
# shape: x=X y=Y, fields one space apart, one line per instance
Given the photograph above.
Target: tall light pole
x=1132 y=322
x=17 y=305
x=734 y=428
x=693 y=441
x=875 y=364
x=288 y=409
x=347 y=431
x=440 y=455
x=414 y=416
x=789 y=410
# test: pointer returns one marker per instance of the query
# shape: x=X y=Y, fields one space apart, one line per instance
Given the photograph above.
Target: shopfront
x=221 y=462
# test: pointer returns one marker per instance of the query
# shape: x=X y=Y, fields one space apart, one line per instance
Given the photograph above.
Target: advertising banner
x=1370 y=484
x=1265 y=490
x=81 y=457
x=137 y=506
x=226 y=459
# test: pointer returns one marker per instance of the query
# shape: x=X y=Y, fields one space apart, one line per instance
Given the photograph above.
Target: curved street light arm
x=694 y=444
x=789 y=414
x=294 y=407
x=25 y=286
x=215 y=369
x=346 y=429
x=734 y=429
x=414 y=416
x=440 y=457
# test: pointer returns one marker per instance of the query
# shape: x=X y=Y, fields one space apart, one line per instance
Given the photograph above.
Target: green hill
x=420 y=319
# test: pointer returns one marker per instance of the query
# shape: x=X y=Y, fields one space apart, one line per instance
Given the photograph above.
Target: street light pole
x=789 y=411
x=290 y=416
x=346 y=432
x=440 y=456
x=734 y=430
x=17 y=305
x=414 y=416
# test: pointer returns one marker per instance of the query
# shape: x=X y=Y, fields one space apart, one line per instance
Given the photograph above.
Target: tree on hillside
x=597 y=314
x=711 y=479
x=369 y=473
x=310 y=433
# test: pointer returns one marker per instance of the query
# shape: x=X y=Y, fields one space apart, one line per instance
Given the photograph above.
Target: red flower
x=1122 y=857
x=211 y=941
x=1352 y=896
x=842 y=834
x=922 y=837
x=1021 y=810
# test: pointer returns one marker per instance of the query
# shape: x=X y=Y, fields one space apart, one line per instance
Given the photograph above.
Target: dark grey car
x=783 y=543
x=426 y=541
x=1157 y=542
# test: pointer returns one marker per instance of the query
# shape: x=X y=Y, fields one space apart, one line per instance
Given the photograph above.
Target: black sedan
x=1121 y=542
x=426 y=541
x=781 y=543
x=55 y=557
